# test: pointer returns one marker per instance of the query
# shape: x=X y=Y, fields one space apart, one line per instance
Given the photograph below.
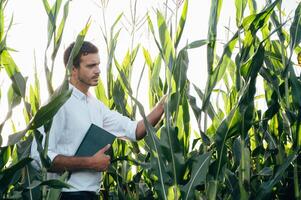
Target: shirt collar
x=77 y=93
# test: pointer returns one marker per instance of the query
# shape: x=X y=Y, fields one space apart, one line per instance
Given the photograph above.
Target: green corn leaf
x=231 y=182
x=250 y=69
x=100 y=92
x=198 y=175
x=55 y=9
x=1 y=21
x=13 y=98
x=186 y=124
x=55 y=193
x=154 y=68
x=240 y=6
x=10 y=174
x=155 y=80
x=51 y=22
x=125 y=63
x=212 y=32
x=296 y=86
x=172 y=153
x=46 y=113
x=58 y=37
x=45 y=160
x=267 y=186
x=148 y=59
x=272 y=144
x=46 y=6
x=5 y=154
x=19 y=82
x=236 y=149
x=180 y=70
x=134 y=54
x=227 y=128
x=252 y=6
x=119 y=97
x=180 y=78
x=219 y=71
x=151 y=27
x=244 y=171
x=181 y=23
x=153 y=141
x=166 y=41
x=295 y=29
x=53 y=183
x=196 y=44
x=43 y=116
x=116 y=22
x=255 y=22
x=52 y=17
x=197 y=112
x=33 y=100
x=78 y=43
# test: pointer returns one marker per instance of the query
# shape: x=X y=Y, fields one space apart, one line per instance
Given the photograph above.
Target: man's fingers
x=103 y=150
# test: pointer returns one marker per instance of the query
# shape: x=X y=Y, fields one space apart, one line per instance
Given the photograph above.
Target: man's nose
x=97 y=70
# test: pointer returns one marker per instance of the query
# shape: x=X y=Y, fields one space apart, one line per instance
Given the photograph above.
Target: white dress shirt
x=68 y=129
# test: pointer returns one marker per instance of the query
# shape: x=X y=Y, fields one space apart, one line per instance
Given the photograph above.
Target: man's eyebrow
x=93 y=64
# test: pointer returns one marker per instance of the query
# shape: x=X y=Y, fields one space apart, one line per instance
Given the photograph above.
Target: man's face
x=88 y=71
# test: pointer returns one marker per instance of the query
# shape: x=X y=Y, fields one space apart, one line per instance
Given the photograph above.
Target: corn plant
x=240 y=150
x=18 y=178
x=262 y=160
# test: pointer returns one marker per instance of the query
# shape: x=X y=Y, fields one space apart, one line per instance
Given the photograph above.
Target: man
x=73 y=120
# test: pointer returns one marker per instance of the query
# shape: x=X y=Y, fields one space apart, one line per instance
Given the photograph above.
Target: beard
x=88 y=82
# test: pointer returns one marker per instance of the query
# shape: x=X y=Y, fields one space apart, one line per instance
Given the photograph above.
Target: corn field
x=239 y=149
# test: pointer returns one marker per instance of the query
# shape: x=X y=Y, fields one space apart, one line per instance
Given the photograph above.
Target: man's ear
x=74 y=68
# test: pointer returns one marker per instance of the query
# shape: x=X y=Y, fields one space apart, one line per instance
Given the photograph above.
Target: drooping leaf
x=53 y=183
x=196 y=44
x=19 y=82
x=267 y=186
x=198 y=175
x=54 y=193
x=255 y=22
x=46 y=113
x=43 y=116
x=45 y=160
x=295 y=29
x=7 y=175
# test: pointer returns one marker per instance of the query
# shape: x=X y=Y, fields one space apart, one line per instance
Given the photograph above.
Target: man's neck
x=81 y=87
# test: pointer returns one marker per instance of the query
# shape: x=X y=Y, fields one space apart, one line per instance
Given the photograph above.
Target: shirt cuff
x=52 y=155
x=131 y=129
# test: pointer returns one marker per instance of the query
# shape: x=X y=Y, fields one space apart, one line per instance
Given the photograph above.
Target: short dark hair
x=87 y=48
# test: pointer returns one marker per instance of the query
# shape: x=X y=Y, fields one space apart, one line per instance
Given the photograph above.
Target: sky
x=28 y=36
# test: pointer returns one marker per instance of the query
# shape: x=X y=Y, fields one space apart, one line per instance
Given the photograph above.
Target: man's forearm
x=69 y=163
x=153 y=118
x=98 y=162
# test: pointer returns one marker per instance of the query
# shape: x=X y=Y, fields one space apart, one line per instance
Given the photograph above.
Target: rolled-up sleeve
x=119 y=125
